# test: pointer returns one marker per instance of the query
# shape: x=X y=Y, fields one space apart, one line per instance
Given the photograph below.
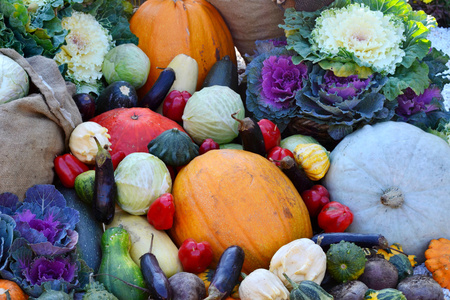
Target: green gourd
x=116 y=261
x=384 y=294
x=307 y=290
x=173 y=147
x=345 y=261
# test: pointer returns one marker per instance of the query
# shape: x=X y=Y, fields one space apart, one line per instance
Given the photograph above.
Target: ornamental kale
x=410 y=103
x=30 y=271
x=343 y=103
x=272 y=83
x=7 y=225
x=364 y=37
x=43 y=219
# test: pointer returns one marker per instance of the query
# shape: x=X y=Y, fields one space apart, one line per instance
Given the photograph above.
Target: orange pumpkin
x=437 y=261
x=235 y=197
x=15 y=292
x=166 y=28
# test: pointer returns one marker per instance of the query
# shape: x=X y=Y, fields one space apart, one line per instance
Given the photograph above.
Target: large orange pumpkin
x=235 y=197
x=166 y=28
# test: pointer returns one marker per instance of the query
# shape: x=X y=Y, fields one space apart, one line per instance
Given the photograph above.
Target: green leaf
x=344 y=69
x=416 y=45
x=398 y=8
x=415 y=78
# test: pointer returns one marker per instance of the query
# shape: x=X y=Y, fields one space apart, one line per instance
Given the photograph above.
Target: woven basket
x=311 y=128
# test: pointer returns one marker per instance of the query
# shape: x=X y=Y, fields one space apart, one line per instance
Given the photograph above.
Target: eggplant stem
x=151 y=243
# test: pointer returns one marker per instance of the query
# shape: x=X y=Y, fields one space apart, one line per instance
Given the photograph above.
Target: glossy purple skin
x=86 y=105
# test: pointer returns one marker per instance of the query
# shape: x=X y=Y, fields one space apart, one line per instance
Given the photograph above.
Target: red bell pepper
x=195 y=257
x=208 y=144
x=68 y=167
x=335 y=217
x=117 y=158
x=315 y=198
x=160 y=214
x=277 y=153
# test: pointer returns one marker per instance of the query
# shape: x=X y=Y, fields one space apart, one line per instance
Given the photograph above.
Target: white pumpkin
x=395 y=178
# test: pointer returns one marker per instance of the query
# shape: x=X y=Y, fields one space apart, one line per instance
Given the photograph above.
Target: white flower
x=87 y=44
x=371 y=36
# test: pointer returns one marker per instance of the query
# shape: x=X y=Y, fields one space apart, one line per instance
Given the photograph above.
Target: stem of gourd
x=392 y=197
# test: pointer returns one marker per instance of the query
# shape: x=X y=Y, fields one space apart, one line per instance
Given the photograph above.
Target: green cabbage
x=126 y=62
x=141 y=178
x=208 y=114
x=14 y=82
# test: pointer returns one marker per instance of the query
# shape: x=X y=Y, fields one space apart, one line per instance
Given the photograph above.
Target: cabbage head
x=126 y=62
x=208 y=114
x=14 y=82
x=141 y=178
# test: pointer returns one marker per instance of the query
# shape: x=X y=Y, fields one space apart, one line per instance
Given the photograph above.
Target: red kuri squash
x=166 y=28
x=235 y=197
x=131 y=129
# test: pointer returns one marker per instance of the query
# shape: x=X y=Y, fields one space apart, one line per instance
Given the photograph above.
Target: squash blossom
x=374 y=38
x=87 y=44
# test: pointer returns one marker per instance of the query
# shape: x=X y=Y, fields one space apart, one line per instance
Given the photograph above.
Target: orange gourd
x=15 y=292
x=166 y=28
x=235 y=197
x=437 y=261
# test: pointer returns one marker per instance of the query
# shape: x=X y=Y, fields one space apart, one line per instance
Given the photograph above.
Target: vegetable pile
x=318 y=172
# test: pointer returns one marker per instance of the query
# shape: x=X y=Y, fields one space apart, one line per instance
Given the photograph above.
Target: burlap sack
x=252 y=20
x=35 y=129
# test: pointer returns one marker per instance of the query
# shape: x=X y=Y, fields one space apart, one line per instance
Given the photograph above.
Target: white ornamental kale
x=363 y=37
x=371 y=36
x=87 y=44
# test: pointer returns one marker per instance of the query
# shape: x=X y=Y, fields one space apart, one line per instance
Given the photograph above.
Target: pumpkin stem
x=8 y=295
x=151 y=243
x=392 y=197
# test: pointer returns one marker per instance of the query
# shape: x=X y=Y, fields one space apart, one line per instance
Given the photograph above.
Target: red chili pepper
x=335 y=217
x=117 y=158
x=68 y=167
x=277 y=153
x=195 y=257
x=160 y=214
x=315 y=198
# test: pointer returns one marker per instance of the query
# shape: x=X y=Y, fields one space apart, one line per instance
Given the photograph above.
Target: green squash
x=307 y=290
x=384 y=294
x=116 y=261
x=173 y=147
x=345 y=261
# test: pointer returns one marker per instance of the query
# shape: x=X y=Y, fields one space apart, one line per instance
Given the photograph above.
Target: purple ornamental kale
x=43 y=219
x=344 y=87
x=410 y=103
x=44 y=269
x=273 y=81
x=280 y=79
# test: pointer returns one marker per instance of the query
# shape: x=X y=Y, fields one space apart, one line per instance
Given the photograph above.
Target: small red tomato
x=195 y=257
x=277 y=153
x=271 y=133
x=174 y=104
x=335 y=217
x=160 y=214
x=208 y=144
x=315 y=198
